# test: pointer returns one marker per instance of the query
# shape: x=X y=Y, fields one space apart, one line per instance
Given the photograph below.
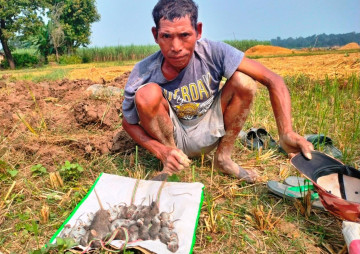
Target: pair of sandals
x=295 y=187
x=257 y=138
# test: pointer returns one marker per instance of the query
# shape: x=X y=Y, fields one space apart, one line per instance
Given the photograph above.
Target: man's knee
x=149 y=95
x=243 y=84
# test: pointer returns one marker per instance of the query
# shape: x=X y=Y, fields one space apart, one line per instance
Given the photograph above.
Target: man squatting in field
x=175 y=107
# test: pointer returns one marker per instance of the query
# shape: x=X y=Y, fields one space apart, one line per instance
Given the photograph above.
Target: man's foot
x=247 y=175
x=229 y=167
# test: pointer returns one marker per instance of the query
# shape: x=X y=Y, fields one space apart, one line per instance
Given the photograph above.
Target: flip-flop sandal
x=266 y=139
x=302 y=184
x=338 y=185
x=297 y=181
x=290 y=192
x=250 y=139
x=324 y=142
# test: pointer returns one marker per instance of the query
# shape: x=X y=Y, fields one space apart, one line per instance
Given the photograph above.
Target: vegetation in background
x=41 y=41
x=68 y=27
x=22 y=60
x=244 y=45
x=18 y=18
x=116 y=53
x=321 y=40
x=74 y=18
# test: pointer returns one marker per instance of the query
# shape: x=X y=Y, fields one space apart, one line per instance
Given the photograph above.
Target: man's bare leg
x=153 y=112
x=236 y=100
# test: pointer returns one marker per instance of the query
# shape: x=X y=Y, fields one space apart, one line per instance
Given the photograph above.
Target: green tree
x=18 y=18
x=42 y=41
x=76 y=19
x=56 y=28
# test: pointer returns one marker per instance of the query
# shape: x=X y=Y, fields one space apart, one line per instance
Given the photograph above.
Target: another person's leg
x=236 y=100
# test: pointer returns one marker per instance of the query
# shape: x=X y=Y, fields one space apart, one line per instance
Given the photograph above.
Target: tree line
x=316 y=41
x=51 y=26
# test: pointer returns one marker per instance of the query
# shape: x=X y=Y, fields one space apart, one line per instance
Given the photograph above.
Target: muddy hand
x=293 y=143
x=175 y=161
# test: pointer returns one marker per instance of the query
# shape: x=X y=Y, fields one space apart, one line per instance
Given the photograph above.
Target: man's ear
x=155 y=33
x=199 y=30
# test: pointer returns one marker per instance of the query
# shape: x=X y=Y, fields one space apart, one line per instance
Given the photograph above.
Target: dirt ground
x=68 y=122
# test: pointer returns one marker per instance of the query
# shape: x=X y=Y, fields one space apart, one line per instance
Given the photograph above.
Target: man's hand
x=174 y=160
x=293 y=143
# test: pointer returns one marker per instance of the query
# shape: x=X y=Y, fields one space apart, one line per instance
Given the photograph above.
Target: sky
x=125 y=22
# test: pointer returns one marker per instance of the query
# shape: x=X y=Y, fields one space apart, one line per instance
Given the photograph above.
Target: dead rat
x=147 y=219
x=155 y=228
x=166 y=216
x=133 y=233
x=130 y=211
x=144 y=233
x=164 y=235
x=169 y=224
x=120 y=235
x=173 y=245
x=77 y=233
x=99 y=227
x=120 y=223
x=154 y=208
x=66 y=231
x=122 y=211
x=139 y=212
x=114 y=212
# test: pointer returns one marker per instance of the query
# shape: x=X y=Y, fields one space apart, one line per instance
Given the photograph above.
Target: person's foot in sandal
x=227 y=166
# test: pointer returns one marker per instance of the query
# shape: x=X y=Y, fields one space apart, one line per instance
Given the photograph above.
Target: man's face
x=177 y=41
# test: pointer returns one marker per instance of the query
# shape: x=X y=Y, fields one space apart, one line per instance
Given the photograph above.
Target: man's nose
x=176 y=45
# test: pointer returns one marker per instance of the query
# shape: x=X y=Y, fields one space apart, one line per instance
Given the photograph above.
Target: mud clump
x=98 y=114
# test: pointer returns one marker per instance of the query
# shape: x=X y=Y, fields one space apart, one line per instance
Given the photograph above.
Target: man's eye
x=185 y=35
x=166 y=36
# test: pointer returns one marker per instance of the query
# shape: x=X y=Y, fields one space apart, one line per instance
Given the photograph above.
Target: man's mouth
x=178 y=57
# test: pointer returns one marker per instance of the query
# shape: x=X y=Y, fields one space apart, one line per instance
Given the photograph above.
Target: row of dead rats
x=137 y=222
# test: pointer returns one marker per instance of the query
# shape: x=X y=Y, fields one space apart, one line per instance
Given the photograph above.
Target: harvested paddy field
x=50 y=122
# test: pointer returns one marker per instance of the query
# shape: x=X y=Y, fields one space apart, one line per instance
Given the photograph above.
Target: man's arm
x=290 y=141
x=173 y=159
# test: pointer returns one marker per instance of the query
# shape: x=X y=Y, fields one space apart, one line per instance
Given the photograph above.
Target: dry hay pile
x=262 y=50
x=351 y=45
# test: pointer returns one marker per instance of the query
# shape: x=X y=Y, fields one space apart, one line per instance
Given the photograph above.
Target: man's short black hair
x=172 y=9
